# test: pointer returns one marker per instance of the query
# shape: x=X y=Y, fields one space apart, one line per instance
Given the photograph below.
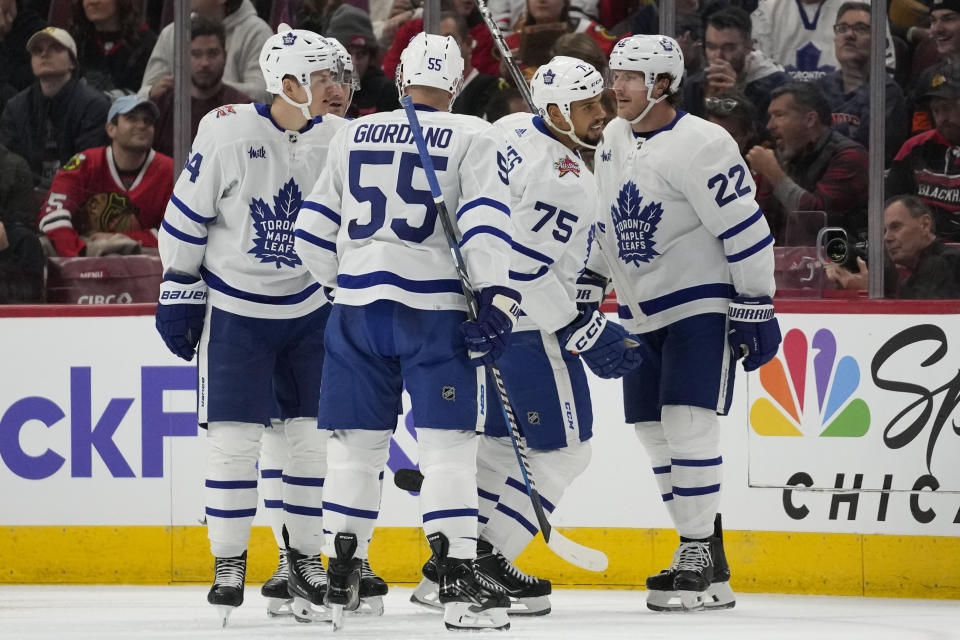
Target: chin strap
x=304 y=107
x=570 y=134
x=650 y=103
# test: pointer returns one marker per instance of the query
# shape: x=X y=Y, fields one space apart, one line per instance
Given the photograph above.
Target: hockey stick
x=572 y=552
x=506 y=54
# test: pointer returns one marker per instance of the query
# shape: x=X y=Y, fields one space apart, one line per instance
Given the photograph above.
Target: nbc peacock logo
x=788 y=411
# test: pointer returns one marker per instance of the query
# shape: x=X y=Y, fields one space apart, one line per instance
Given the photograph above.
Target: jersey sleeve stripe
x=530 y=253
x=329 y=213
x=180 y=235
x=306 y=236
x=746 y=253
x=527 y=277
x=737 y=228
x=493 y=231
x=376 y=278
x=483 y=202
x=187 y=211
x=54 y=216
x=60 y=223
x=216 y=283
x=681 y=296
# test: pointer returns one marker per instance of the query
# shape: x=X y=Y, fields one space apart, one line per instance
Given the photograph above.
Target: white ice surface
x=176 y=612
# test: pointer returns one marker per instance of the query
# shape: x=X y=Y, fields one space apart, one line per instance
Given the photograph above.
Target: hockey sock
x=694 y=437
x=273 y=458
x=495 y=460
x=231 y=485
x=651 y=436
x=351 y=496
x=303 y=479
x=448 y=498
x=513 y=523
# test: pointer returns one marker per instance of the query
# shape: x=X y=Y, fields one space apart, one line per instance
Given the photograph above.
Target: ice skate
x=275 y=591
x=307 y=585
x=427 y=593
x=372 y=590
x=528 y=594
x=471 y=601
x=718 y=595
x=343 y=588
x=226 y=594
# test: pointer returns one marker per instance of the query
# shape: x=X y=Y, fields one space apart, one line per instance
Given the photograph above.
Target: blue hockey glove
x=180 y=314
x=754 y=333
x=592 y=289
x=487 y=337
x=607 y=348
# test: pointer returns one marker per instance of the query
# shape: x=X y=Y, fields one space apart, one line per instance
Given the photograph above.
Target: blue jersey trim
x=737 y=228
x=484 y=202
x=493 y=231
x=306 y=236
x=530 y=253
x=449 y=513
x=273 y=504
x=180 y=235
x=746 y=253
x=267 y=474
x=526 y=524
x=231 y=484
x=264 y=110
x=542 y=127
x=303 y=511
x=666 y=127
x=302 y=481
x=681 y=296
x=527 y=277
x=187 y=211
x=666 y=497
x=486 y=495
x=231 y=513
x=350 y=511
x=375 y=278
x=684 y=462
x=329 y=213
x=423 y=107
x=660 y=470
x=522 y=488
x=214 y=282
x=696 y=491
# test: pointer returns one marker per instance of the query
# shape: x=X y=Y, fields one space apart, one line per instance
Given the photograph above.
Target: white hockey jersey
x=554 y=205
x=369 y=227
x=679 y=227
x=231 y=217
x=799 y=36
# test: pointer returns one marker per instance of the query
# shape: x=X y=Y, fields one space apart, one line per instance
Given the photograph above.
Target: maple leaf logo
x=274 y=227
x=635 y=227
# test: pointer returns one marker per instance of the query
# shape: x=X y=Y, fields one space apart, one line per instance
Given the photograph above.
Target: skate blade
x=224 y=611
x=279 y=607
x=337 y=616
x=691 y=600
x=427 y=594
x=717 y=597
x=465 y=616
x=372 y=606
x=306 y=612
x=537 y=606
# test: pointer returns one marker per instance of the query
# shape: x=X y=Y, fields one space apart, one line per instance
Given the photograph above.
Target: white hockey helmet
x=349 y=78
x=297 y=53
x=431 y=60
x=562 y=81
x=652 y=55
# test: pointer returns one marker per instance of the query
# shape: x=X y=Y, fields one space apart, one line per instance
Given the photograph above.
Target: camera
x=843 y=252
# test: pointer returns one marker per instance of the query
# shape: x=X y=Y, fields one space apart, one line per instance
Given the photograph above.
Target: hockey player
x=349 y=84
x=691 y=258
x=370 y=229
x=235 y=291
x=553 y=208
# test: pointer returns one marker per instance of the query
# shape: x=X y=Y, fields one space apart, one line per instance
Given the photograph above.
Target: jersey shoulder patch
x=74 y=163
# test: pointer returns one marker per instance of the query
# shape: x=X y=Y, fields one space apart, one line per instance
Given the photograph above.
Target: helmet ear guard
x=562 y=81
x=297 y=53
x=431 y=60
x=653 y=56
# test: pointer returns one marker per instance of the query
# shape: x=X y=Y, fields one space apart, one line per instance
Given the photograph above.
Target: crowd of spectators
x=788 y=79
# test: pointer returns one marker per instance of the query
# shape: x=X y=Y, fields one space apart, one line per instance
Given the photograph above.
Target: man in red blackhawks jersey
x=111 y=199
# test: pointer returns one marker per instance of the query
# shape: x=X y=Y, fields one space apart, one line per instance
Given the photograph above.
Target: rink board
x=838 y=474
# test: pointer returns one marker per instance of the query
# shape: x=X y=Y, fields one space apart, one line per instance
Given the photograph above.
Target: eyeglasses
x=721 y=105
x=859 y=28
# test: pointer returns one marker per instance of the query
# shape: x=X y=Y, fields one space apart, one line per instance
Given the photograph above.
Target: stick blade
x=577 y=554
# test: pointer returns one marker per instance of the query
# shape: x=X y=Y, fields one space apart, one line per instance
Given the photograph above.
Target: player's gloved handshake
x=754 y=333
x=487 y=337
x=607 y=348
x=180 y=314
